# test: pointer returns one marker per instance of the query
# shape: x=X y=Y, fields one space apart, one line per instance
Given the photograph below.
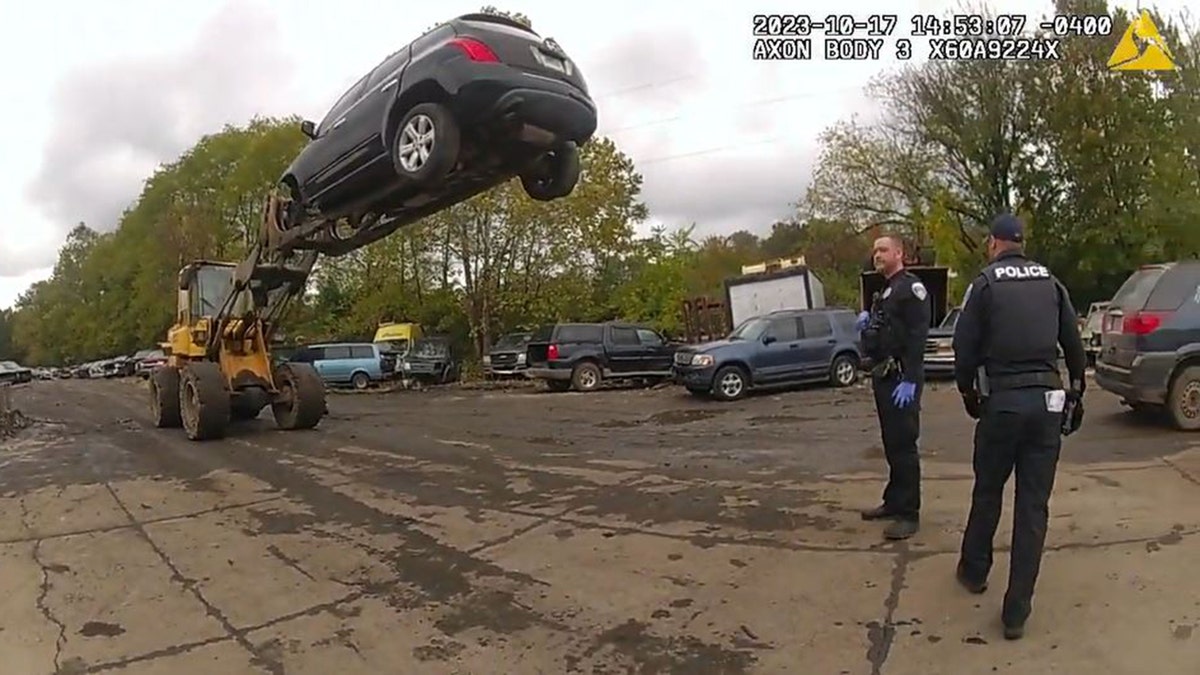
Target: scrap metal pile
x=11 y=419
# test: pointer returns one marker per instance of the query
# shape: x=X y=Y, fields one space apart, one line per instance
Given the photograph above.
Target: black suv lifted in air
x=1150 y=342
x=468 y=105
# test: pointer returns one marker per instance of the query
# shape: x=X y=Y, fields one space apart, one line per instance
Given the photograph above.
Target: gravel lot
x=513 y=531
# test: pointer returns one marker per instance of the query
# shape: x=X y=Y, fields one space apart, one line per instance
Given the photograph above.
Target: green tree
x=517 y=257
x=7 y=349
x=657 y=286
x=1097 y=163
x=114 y=292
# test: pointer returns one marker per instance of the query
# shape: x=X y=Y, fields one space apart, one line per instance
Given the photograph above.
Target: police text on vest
x=1014 y=272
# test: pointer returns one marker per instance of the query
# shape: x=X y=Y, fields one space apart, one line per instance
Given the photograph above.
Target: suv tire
x=844 y=371
x=433 y=129
x=554 y=174
x=1183 y=399
x=730 y=383
x=586 y=377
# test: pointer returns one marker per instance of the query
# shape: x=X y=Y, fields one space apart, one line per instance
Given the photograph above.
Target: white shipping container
x=757 y=294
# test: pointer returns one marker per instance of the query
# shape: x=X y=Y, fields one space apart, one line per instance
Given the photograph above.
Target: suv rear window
x=580 y=333
x=1177 y=286
x=1137 y=288
x=846 y=322
x=816 y=325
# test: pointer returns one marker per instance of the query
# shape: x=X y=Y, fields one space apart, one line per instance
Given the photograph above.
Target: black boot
x=881 y=512
x=901 y=529
x=965 y=580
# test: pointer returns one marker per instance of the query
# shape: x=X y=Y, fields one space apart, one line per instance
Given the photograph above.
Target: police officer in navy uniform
x=893 y=339
x=1015 y=315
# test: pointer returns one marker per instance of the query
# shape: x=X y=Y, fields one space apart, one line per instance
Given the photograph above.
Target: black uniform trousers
x=900 y=429
x=1015 y=430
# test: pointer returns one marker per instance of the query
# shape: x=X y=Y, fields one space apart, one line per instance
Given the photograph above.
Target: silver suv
x=1150 y=343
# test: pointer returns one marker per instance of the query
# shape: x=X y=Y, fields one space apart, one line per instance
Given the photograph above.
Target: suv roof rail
x=798 y=310
x=495 y=18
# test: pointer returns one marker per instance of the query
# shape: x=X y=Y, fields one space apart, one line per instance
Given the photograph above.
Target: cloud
x=16 y=262
x=11 y=287
x=115 y=122
x=727 y=193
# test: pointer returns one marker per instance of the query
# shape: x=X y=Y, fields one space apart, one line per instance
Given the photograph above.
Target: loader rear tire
x=164 y=397
x=301 y=402
x=204 y=401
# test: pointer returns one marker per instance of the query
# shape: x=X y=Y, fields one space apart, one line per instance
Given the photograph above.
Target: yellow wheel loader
x=219 y=367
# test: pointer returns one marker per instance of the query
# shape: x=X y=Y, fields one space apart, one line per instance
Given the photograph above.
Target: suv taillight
x=552 y=353
x=1143 y=323
x=475 y=50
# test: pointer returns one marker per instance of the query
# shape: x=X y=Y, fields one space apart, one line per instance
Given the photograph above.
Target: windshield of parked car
x=430 y=348
x=750 y=329
x=513 y=340
x=398 y=345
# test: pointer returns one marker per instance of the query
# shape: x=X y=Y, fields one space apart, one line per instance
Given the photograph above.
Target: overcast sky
x=100 y=93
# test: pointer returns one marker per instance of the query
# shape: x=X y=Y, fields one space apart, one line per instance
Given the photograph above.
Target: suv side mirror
x=308 y=128
x=768 y=339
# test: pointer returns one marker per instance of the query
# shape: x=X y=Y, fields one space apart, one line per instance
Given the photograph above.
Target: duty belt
x=885 y=367
x=1022 y=380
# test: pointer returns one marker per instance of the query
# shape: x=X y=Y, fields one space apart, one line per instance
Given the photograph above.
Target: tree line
x=1103 y=166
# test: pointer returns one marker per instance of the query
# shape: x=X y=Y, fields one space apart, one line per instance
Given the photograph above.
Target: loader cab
x=203 y=288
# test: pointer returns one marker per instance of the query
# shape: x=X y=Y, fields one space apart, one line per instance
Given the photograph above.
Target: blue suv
x=354 y=363
x=777 y=349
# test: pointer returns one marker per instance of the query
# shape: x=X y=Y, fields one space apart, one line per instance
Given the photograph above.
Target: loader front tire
x=301 y=401
x=204 y=401
x=164 y=397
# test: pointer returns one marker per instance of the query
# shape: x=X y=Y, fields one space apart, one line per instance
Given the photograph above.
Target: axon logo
x=1014 y=272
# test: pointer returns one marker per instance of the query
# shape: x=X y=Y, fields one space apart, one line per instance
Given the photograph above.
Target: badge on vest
x=887 y=293
x=1022 y=273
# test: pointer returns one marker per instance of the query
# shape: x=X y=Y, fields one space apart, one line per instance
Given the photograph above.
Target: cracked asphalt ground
x=640 y=531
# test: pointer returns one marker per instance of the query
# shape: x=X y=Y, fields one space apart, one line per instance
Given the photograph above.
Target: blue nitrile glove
x=904 y=394
x=863 y=319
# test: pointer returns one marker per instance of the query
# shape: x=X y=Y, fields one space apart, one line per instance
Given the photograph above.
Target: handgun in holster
x=885 y=367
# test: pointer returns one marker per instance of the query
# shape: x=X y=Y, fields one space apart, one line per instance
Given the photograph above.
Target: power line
x=741 y=106
x=732 y=146
x=642 y=87
x=708 y=151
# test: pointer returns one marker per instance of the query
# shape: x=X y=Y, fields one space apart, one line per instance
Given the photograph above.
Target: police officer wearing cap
x=1015 y=314
x=893 y=340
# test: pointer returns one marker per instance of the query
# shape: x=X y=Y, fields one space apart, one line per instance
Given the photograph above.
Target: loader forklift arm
x=219 y=367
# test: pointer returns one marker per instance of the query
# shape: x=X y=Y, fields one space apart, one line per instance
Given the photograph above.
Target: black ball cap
x=1007 y=227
